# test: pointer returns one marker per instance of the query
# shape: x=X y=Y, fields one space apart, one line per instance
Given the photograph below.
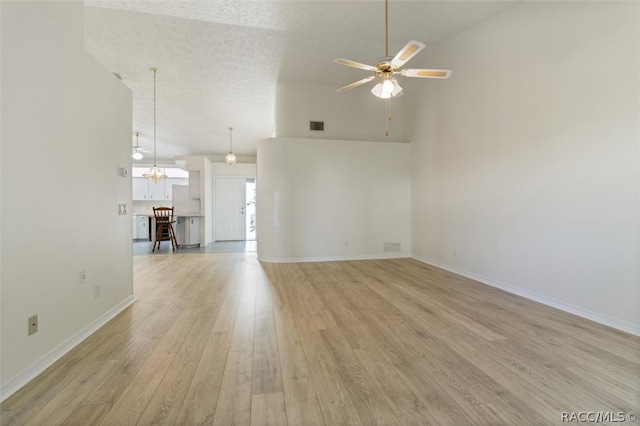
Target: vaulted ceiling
x=219 y=60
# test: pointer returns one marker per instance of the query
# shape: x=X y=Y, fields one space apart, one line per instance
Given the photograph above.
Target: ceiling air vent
x=117 y=75
x=317 y=126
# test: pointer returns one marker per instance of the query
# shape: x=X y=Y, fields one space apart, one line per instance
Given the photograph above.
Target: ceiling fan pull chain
x=388 y=117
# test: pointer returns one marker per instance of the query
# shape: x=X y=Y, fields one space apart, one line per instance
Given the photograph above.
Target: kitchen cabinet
x=140 y=188
x=156 y=190
x=145 y=190
x=188 y=231
x=140 y=227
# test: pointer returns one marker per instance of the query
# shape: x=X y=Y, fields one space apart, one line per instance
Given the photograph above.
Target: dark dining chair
x=164 y=227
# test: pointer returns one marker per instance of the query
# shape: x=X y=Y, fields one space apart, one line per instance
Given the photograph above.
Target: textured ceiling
x=219 y=61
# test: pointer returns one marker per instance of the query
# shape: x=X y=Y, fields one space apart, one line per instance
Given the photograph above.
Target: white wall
x=66 y=131
x=331 y=199
x=238 y=169
x=526 y=160
x=352 y=115
x=204 y=167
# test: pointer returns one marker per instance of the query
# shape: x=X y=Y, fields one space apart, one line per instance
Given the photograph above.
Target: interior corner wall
x=352 y=115
x=332 y=200
x=527 y=175
x=66 y=134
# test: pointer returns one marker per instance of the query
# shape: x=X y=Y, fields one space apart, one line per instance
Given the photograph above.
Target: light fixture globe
x=389 y=88
x=231 y=159
x=137 y=155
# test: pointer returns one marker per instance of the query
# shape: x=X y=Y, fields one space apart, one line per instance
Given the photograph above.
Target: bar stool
x=164 y=227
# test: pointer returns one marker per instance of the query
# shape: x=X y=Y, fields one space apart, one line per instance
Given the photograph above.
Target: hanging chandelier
x=231 y=157
x=154 y=174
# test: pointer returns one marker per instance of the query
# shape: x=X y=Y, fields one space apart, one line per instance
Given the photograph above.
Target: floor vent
x=391 y=247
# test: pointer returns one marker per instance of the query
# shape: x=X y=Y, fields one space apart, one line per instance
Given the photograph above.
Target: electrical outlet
x=33 y=325
x=122 y=209
x=96 y=291
x=83 y=276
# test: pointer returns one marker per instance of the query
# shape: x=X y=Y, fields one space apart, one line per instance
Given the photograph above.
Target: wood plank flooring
x=221 y=339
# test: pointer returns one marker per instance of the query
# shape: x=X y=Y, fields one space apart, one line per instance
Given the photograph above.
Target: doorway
x=235 y=209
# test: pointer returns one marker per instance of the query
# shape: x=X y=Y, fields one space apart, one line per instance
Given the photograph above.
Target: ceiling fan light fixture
x=377 y=90
x=397 y=89
x=137 y=151
x=387 y=89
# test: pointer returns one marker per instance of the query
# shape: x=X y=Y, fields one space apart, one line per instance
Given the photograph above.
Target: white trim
x=18 y=381
x=333 y=258
x=554 y=303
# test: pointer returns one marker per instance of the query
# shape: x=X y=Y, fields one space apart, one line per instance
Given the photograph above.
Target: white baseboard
x=388 y=255
x=18 y=381
x=554 y=303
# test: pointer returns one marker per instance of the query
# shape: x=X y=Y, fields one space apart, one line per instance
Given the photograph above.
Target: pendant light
x=231 y=157
x=154 y=174
x=137 y=151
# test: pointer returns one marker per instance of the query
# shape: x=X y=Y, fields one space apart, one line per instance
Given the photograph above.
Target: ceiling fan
x=388 y=67
x=138 y=150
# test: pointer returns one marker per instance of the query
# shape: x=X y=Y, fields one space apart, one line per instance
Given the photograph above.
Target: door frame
x=215 y=212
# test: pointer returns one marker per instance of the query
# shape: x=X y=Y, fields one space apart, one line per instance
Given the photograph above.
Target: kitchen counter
x=176 y=216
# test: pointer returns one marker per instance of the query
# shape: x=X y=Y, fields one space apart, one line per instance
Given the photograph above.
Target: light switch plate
x=122 y=209
x=124 y=172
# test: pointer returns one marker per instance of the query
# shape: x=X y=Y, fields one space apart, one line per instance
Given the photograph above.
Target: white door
x=230 y=209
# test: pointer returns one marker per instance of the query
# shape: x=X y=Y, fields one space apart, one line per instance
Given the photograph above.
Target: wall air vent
x=316 y=126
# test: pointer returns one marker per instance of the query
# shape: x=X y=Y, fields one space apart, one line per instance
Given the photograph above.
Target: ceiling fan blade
x=409 y=51
x=354 y=64
x=426 y=73
x=356 y=84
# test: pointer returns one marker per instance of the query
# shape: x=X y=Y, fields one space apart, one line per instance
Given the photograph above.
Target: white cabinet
x=146 y=190
x=140 y=188
x=140 y=227
x=156 y=190
x=188 y=231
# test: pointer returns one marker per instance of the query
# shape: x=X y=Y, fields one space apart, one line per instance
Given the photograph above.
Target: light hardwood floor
x=222 y=339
